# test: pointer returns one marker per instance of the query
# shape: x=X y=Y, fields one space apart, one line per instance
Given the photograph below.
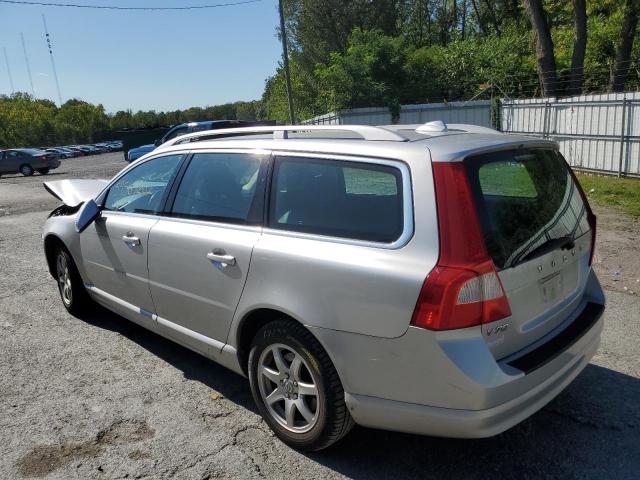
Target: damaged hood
x=75 y=192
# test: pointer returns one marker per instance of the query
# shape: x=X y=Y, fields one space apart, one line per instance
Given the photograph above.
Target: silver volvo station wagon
x=433 y=279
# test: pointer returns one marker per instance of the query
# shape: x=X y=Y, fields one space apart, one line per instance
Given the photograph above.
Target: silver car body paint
x=356 y=297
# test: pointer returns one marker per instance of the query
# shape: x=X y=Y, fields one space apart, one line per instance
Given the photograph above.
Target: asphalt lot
x=100 y=397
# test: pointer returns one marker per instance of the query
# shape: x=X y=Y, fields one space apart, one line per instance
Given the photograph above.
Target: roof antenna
x=432 y=127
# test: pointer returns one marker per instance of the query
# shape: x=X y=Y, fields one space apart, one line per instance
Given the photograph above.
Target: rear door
x=199 y=253
x=536 y=229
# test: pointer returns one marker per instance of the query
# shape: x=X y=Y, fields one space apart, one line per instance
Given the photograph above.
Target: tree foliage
x=25 y=121
x=415 y=51
x=361 y=53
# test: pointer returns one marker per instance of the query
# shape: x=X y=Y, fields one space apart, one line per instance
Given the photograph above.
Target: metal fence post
x=622 y=135
x=544 y=120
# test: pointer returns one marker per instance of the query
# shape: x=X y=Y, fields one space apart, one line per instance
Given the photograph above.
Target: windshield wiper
x=566 y=242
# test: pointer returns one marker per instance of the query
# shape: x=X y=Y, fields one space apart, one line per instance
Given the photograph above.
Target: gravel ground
x=100 y=397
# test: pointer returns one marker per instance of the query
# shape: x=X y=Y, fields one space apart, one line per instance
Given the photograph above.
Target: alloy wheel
x=64 y=279
x=287 y=388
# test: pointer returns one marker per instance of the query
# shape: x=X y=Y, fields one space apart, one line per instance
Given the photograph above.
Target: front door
x=10 y=162
x=115 y=246
x=199 y=256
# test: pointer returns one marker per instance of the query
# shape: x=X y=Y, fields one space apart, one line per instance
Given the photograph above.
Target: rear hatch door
x=536 y=230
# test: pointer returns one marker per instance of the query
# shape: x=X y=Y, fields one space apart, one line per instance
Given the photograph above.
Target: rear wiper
x=565 y=243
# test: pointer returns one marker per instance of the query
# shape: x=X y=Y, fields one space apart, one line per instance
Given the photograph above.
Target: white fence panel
x=595 y=132
x=476 y=113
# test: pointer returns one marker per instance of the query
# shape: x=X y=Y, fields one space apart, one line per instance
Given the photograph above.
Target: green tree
x=371 y=72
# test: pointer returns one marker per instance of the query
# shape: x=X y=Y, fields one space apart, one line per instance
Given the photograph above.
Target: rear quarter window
x=354 y=200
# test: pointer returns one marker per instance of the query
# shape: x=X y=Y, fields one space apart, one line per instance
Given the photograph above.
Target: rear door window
x=337 y=198
x=525 y=198
x=221 y=187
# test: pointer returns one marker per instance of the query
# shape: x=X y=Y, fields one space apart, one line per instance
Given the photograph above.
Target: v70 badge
x=497 y=329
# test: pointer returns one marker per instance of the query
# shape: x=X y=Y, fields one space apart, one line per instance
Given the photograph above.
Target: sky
x=143 y=60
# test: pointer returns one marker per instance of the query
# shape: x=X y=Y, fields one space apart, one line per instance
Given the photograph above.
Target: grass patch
x=619 y=192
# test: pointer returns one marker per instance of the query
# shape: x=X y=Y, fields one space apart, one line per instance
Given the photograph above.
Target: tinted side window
x=337 y=198
x=218 y=186
x=142 y=189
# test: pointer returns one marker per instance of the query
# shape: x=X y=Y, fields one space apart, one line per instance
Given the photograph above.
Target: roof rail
x=367 y=132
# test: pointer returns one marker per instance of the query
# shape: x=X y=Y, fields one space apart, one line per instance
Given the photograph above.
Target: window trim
x=407 y=230
x=255 y=216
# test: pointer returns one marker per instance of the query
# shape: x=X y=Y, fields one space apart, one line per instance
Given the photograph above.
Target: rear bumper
x=460 y=423
x=449 y=383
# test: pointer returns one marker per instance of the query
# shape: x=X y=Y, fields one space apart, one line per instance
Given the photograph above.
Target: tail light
x=464 y=289
x=591 y=217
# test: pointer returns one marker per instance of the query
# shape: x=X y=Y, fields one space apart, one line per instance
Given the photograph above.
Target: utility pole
x=6 y=60
x=285 y=60
x=53 y=65
x=26 y=60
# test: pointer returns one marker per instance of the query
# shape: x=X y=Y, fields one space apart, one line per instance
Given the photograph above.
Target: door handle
x=222 y=258
x=131 y=239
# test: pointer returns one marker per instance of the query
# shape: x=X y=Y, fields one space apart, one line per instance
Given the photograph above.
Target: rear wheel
x=296 y=387
x=72 y=292
x=43 y=171
x=26 y=170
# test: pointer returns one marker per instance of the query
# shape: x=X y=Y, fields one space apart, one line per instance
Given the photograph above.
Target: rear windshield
x=525 y=198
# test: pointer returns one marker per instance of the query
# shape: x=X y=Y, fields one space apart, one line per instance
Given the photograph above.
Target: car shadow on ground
x=193 y=365
x=591 y=430
x=14 y=176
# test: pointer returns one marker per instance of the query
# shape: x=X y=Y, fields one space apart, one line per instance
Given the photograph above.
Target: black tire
x=332 y=418
x=75 y=299
x=43 y=171
x=26 y=170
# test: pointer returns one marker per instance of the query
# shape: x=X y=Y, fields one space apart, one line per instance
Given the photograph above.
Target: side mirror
x=88 y=213
x=157 y=142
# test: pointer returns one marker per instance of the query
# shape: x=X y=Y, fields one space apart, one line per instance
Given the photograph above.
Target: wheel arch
x=51 y=243
x=254 y=320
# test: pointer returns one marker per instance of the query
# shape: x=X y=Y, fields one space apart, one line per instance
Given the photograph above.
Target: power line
x=116 y=7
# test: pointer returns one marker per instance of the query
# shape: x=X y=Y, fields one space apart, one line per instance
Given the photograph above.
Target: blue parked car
x=184 y=128
x=136 y=153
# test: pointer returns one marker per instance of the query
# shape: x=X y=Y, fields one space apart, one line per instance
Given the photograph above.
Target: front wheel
x=43 y=171
x=72 y=292
x=296 y=387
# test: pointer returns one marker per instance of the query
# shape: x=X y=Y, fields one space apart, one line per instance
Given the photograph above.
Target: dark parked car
x=81 y=152
x=191 y=127
x=26 y=161
x=59 y=152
